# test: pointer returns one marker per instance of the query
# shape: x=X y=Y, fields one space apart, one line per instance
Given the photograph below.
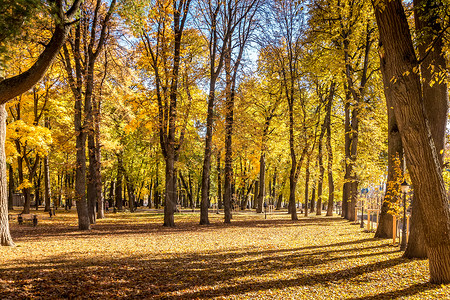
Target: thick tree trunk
x=279 y=201
x=227 y=201
x=416 y=247
x=422 y=158
x=171 y=190
x=293 y=176
x=80 y=178
x=5 y=236
x=435 y=93
x=204 y=204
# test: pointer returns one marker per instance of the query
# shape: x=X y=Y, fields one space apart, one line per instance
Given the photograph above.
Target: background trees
x=272 y=98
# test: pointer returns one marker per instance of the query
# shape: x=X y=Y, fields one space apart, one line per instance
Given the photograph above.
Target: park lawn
x=131 y=256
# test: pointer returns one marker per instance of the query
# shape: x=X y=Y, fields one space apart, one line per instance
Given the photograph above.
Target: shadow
x=139 y=275
x=409 y=291
x=192 y=275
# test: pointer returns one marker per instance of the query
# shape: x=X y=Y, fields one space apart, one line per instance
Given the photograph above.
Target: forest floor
x=131 y=256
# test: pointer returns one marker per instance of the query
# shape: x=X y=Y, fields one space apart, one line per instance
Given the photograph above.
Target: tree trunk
x=91 y=178
x=321 y=169
x=204 y=204
x=330 y=151
x=293 y=176
x=435 y=95
x=416 y=247
x=171 y=190
x=5 y=236
x=307 y=176
x=395 y=152
x=280 y=199
x=399 y=63
x=119 y=180
x=255 y=194
x=80 y=172
x=229 y=119
x=111 y=196
x=47 y=194
x=227 y=201
x=262 y=183
x=156 y=199
x=274 y=183
x=97 y=168
x=219 y=182
x=313 y=198
x=10 y=187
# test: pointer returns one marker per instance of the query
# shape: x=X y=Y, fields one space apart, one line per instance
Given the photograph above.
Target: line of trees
x=238 y=103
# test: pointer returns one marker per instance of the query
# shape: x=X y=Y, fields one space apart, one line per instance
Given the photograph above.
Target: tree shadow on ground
x=409 y=291
x=202 y=275
x=190 y=276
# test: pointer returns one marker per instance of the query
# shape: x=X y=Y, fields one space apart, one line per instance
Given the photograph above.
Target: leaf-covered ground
x=131 y=256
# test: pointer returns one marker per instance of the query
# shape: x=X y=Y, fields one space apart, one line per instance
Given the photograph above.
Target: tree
x=400 y=67
x=18 y=84
x=159 y=43
x=282 y=47
x=427 y=16
x=244 y=19
x=221 y=18
x=89 y=36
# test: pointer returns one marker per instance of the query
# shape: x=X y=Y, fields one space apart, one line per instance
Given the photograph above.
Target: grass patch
x=131 y=256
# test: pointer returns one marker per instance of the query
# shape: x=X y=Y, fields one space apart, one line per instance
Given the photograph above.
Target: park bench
x=27 y=217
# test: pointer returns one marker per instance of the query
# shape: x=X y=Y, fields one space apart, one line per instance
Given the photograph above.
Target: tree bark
x=400 y=65
x=416 y=247
x=435 y=93
x=320 y=181
x=330 y=151
x=10 y=187
x=119 y=181
x=307 y=176
x=313 y=198
x=47 y=193
x=229 y=104
x=204 y=204
x=219 y=182
x=5 y=236
x=171 y=190
x=395 y=152
x=262 y=182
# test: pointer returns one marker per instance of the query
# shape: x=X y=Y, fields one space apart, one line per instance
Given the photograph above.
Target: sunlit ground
x=131 y=256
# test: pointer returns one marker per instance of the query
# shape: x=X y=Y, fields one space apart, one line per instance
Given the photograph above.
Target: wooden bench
x=27 y=217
